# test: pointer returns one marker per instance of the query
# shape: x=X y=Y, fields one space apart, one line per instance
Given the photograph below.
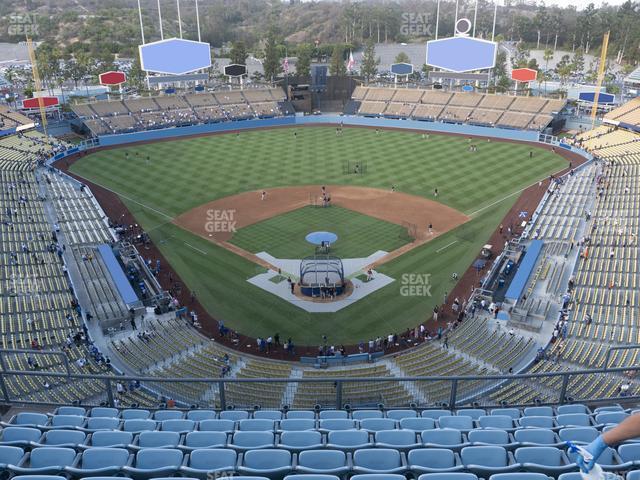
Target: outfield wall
x=438 y=127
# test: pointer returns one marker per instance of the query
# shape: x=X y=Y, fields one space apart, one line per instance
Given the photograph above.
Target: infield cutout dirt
x=213 y=220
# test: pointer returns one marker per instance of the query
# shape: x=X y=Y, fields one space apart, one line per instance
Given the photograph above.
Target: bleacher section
x=628 y=113
x=533 y=113
x=10 y=119
x=176 y=110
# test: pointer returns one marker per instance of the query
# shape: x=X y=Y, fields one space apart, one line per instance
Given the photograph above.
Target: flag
x=285 y=65
x=351 y=62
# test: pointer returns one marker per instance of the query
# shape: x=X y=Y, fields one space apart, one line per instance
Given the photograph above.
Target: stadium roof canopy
x=633 y=77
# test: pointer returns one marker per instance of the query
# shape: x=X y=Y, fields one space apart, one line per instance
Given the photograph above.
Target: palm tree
x=548 y=55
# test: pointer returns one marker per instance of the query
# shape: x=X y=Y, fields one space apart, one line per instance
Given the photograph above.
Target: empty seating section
x=611 y=143
x=206 y=443
x=175 y=110
x=269 y=395
x=627 y=113
x=483 y=109
x=24 y=151
x=10 y=119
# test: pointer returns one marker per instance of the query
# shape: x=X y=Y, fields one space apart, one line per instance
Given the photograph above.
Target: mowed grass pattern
x=283 y=236
x=180 y=175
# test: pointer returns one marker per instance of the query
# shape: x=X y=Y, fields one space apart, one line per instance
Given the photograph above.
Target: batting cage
x=354 y=167
x=321 y=275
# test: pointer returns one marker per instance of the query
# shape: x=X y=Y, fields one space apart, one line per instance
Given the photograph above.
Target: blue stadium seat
x=271 y=463
x=306 y=414
x=199 y=415
x=378 y=460
x=491 y=437
x=10 y=455
x=305 y=476
x=443 y=438
x=153 y=463
x=459 y=422
x=433 y=460
x=378 y=476
x=630 y=453
x=27 y=419
x=41 y=477
x=519 y=476
x=570 y=476
x=216 y=425
x=574 y=420
x=162 y=415
x=135 y=413
x=402 y=440
x=610 y=417
x=332 y=414
x=377 y=424
x=579 y=435
x=275 y=415
x=297 y=424
x=474 y=413
x=61 y=438
x=362 y=414
x=573 y=408
x=69 y=410
x=65 y=421
x=244 y=441
x=548 y=460
x=105 y=438
x=633 y=475
x=208 y=463
x=178 y=425
x=139 y=425
x=333 y=424
x=447 y=476
x=101 y=423
x=193 y=440
x=538 y=412
x=537 y=422
x=44 y=461
x=235 y=415
x=329 y=462
x=503 y=422
x=511 y=412
x=435 y=414
x=487 y=460
x=104 y=412
x=19 y=436
x=257 y=425
x=348 y=440
x=534 y=437
x=417 y=424
x=399 y=415
x=100 y=461
x=608 y=408
x=295 y=441
x=609 y=460
x=156 y=439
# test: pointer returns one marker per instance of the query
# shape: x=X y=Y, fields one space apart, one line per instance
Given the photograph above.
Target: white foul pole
x=160 y=18
x=198 y=21
x=179 y=18
x=455 y=22
x=437 y=18
x=141 y=24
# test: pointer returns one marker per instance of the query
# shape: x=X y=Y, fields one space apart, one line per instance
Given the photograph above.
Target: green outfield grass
x=180 y=175
x=283 y=236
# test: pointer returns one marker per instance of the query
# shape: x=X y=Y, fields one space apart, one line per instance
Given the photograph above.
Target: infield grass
x=182 y=174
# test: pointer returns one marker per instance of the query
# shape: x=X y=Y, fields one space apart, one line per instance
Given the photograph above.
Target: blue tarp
x=524 y=271
x=117 y=274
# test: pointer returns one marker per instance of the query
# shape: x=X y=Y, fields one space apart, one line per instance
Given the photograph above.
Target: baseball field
x=177 y=189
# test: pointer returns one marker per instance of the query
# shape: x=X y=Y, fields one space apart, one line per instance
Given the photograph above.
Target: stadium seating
x=532 y=113
x=106 y=117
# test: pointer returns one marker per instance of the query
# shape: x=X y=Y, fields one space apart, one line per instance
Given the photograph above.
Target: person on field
x=263 y=195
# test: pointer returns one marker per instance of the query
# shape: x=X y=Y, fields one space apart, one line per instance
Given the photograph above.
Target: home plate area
x=355 y=274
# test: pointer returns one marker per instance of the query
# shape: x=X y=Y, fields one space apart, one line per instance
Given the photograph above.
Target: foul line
x=446 y=246
x=134 y=201
x=196 y=249
x=503 y=199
